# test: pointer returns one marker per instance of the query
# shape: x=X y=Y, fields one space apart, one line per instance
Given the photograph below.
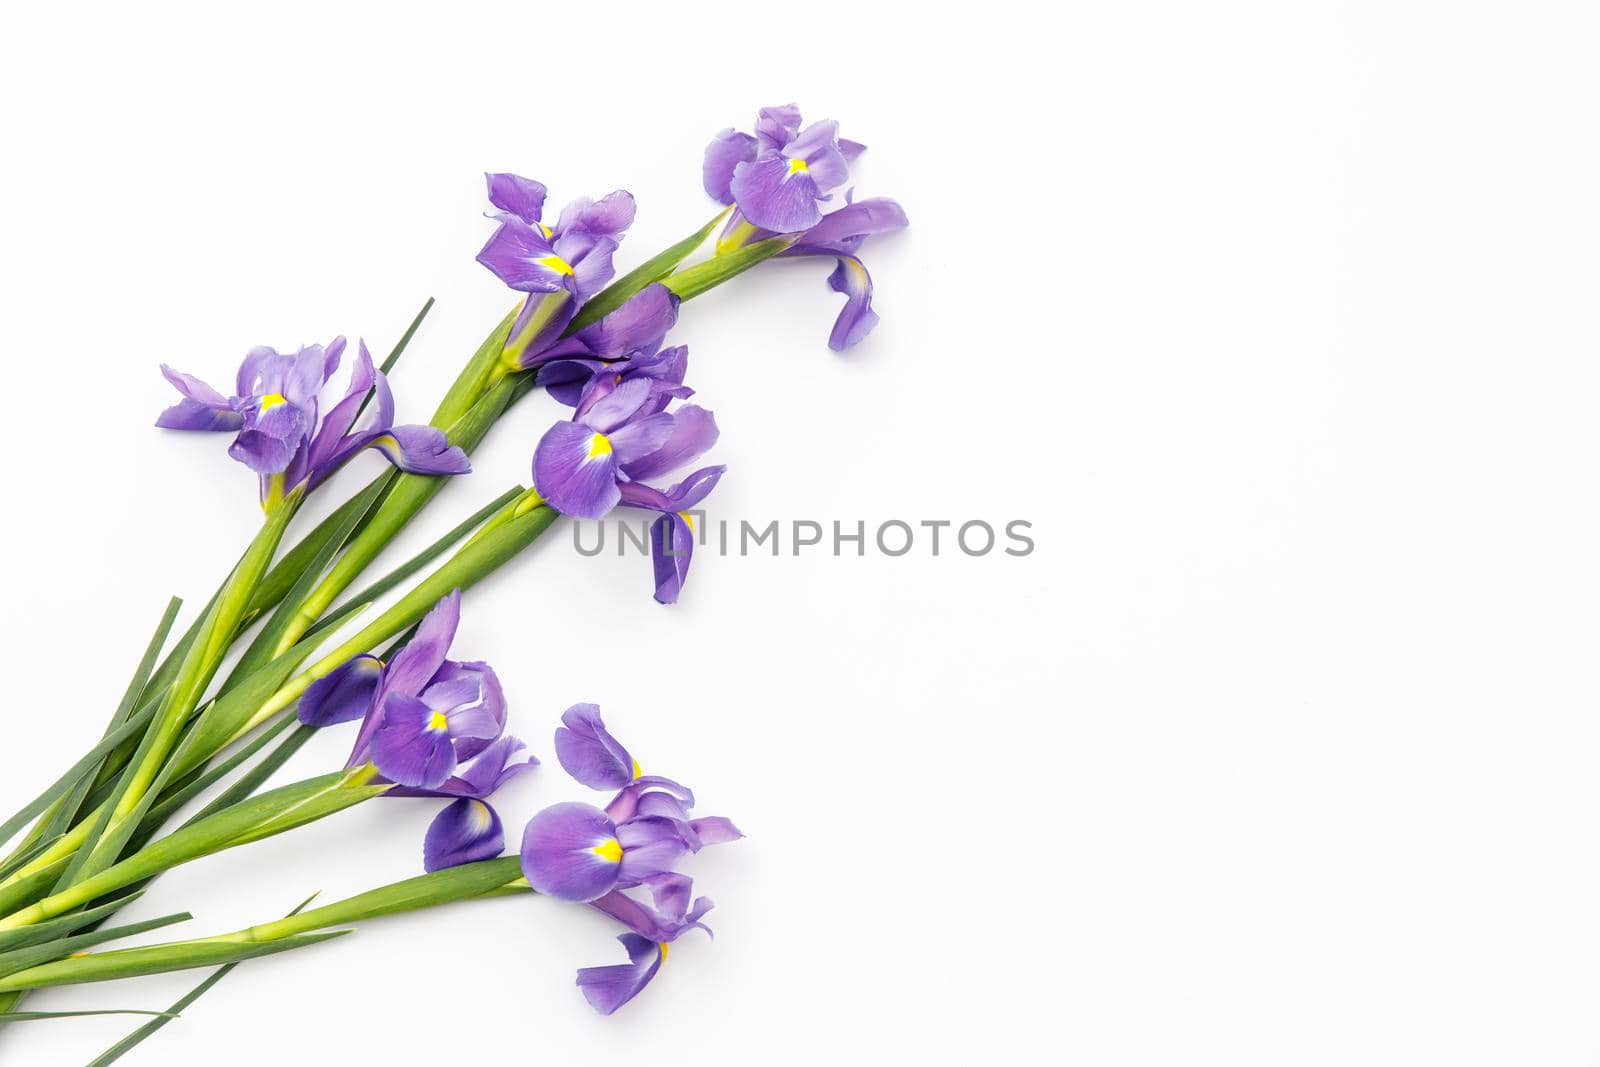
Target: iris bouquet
x=217 y=710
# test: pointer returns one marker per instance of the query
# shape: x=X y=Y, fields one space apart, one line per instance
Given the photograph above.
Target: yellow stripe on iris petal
x=599 y=445
x=555 y=263
x=610 y=850
x=270 y=401
x=437 y=721
x=798 y=166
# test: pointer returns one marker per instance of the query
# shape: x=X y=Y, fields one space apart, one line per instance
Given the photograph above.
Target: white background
x=1276 y=321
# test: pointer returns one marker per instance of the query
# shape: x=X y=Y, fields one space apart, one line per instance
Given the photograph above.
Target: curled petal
x=844 y=229
x=466 y=831
x=589 y=753
x=522 y=197
x=693 y=432
x=776 y=126
x=639 y=325
x=625 y=805
x=650 y=846
x=609 y=988
x=575 y=471
x=415 y=449
x=606 y=217
x=671 y=548
x=571 y=852
x=715 y=830
x=342 y=695
x=857 y=318
x=590 y=259
x=727 y=150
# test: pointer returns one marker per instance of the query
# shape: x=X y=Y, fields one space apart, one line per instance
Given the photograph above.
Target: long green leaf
x=154 y=959
x=121 y=1048
x=263 y=816
x=389 y=581
x=85 y=766
x=39 y=933
x=32 y=1016
x=20 y=959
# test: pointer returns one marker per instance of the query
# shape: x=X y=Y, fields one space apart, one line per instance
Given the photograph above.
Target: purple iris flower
x=560 y=267
x=777 y=178
x=280 y=434
x=780 y=175
x=620 y=432
x=582 y=853
x=432 y=726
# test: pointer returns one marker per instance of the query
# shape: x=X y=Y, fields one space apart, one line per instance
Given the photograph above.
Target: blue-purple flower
x=560 y=267
x=672 y=536
x=581 y=853
x=778 y=178
x=620 y=432
x=280 y=435
x=433 y=727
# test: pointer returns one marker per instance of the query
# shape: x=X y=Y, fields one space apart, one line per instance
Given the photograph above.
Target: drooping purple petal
x=727 y=150
x=843 y=230
x=775 y=194
x=671 y=549
x=522 y=197
x=466 y=831
x=609 y=988
x=608 y=404
x=411 y=745
x=570 y=851
x=590 y=259
x=202 y=407
x=342 y=695
x=575 y=471
x=524 y=259
x=856 y=319
x=693 y=432
x=669 y=915
x=589 y=753
x=418 y=450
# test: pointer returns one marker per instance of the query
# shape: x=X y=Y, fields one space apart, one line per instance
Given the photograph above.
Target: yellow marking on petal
x=798 y=166
x=437 y=721
x=544 y=230
x=555 y=263
x=687 y=520
x=270 y=401
x=637 y=770
x=599 y=445
x=662 y=945
x=611 y=851
x=480 y=816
